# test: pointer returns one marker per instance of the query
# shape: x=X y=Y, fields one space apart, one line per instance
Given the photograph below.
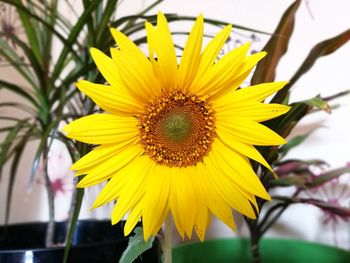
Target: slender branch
x=50 y=231
x=268 y=214
x=263 y=229
x=73 y=204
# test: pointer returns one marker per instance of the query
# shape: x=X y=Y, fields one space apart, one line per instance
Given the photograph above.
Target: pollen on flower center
x=177 y=129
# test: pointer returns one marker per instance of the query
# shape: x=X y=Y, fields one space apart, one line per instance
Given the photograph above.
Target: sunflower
x=176 y=137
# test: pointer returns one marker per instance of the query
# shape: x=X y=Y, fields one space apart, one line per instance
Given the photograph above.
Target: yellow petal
x=107 y=67
x=102 y=129
x=132 y=63
x=228 y=190
x=240 y=75
x=100 y=154
x=120 y=181
x=249 y=132
x=165 y=53
x=156 y=200
x=243 y=148
x=133 y=218
x=110 y=166
x=222 y=73
x=111 y=99
x=212 y=50
x=258 y=112
x=184 y=199
x=237 y=168
x=191 y=55
x=253 y=93
x=201 y=221
x=215 y=203
x=135 y=77
x=134 y=189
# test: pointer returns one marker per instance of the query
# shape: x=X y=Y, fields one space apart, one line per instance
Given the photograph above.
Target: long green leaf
x=34 y=16
x=30 y=30
x=276 y=47
x=106 y=17
x=42 y=145
x=15 y=60
x=7 y=143
x=73 y=36
x=19 y=91
x=323 y=48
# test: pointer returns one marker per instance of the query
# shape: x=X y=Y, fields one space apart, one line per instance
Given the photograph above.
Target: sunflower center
x=177 y=129
x=177 y=126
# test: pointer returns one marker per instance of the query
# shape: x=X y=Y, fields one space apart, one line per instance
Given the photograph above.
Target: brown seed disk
x=177 y=129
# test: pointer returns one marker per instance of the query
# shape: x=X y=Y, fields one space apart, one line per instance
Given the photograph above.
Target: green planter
x=272 y=251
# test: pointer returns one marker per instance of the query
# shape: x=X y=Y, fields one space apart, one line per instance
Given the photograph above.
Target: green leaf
x=42 y=145
x=292 y=143
x=16 y=61
x=106 y=17
x=276 y=47
x=19 y=91
x=136 y=246
x=7 y=143
x=73 y=36
x=318 y=103
x=30 y=30
x=323 y=48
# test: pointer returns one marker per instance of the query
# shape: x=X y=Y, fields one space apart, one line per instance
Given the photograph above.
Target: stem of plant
x=254 y=239
x=168 y=238
x=50 y=231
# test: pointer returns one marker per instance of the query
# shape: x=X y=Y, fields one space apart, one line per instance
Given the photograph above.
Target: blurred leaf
x=73 y=37
x=304 y=178
x=30 y=30
x=276 y=47
x=43 y=22
x=292 y=143
x=318 y=103
x=136 y=246
x=326 y=206
x=323 y=48
x=6 y=144
x=106 y=17
x=16 y=61
x=19 y=91
x=291 y=180
x=327 y=177
x=42 y=146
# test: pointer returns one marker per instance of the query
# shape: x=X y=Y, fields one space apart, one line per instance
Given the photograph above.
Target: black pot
x=93 y=241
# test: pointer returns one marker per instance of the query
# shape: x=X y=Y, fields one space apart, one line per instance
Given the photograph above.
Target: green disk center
x=177 y=127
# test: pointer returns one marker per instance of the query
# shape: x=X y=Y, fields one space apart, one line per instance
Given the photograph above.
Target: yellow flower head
x=176 y=137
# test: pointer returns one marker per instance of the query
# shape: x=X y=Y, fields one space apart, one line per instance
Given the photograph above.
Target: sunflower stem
x=254 y=239
x=168 y=240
